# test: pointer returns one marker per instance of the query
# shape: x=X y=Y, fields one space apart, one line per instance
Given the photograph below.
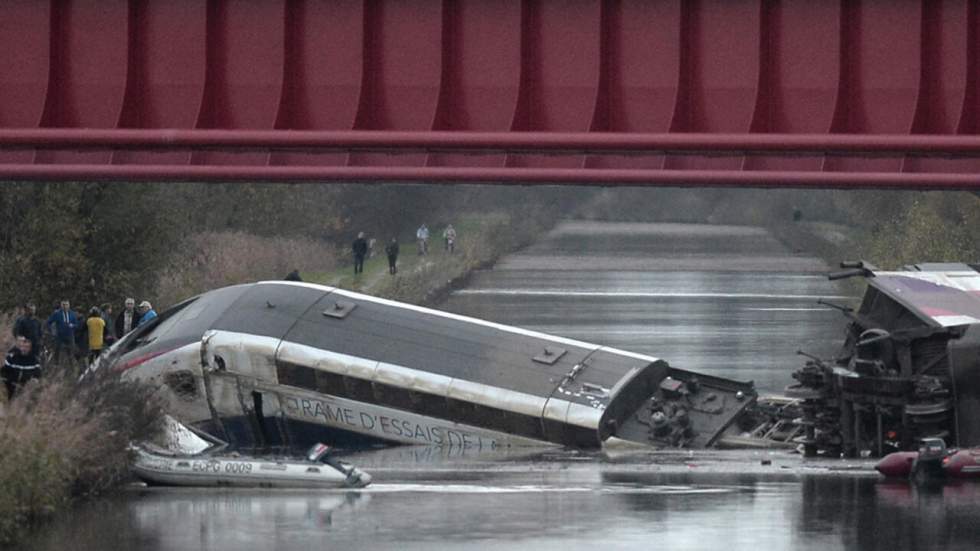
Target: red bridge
x=871 y=93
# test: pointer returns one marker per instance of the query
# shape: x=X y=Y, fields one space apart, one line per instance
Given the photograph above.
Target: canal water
x=732 y=301
x=726 y=300
x=560 y=502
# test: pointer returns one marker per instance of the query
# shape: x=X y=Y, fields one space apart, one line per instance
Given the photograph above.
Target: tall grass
x=216 y=259
x=62 y=439
x=7 y=321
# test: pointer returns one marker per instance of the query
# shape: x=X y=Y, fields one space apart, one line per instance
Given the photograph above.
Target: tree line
x=98 y=241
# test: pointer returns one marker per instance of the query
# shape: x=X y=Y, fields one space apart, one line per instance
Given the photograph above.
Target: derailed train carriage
x=909 y=368
x=284 y=364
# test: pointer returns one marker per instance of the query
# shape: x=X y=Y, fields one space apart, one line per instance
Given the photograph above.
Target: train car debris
x=277 y=363
x=909 y=368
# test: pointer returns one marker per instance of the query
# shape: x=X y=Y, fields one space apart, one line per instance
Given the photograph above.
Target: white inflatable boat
x=184 y=458
x=161 y=470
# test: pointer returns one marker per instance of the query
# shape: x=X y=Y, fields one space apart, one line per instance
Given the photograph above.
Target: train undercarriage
x=909 y=367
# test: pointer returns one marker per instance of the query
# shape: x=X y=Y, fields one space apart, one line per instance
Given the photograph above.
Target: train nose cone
x=897 y=465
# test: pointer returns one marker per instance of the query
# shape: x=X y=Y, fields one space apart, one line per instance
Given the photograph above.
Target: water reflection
x=547 y=505
x=870 y=514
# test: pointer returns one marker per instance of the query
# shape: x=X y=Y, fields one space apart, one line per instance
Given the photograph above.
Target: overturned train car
x=283 y=364
x=909 y=367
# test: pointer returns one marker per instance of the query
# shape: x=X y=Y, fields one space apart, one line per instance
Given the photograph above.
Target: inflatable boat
x=316 y=471
x=932 y=461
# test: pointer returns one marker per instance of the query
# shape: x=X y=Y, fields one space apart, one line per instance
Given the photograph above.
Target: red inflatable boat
x=932 y=460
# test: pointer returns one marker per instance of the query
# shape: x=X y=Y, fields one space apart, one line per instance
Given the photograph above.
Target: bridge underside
x=877 y=93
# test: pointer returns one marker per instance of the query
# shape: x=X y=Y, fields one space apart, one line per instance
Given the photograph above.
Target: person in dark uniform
x=360 y=249
x=392 y=251
x=29 y=326
x=19 y=366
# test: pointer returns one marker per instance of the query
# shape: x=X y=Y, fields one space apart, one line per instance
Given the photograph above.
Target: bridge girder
x=746 y=92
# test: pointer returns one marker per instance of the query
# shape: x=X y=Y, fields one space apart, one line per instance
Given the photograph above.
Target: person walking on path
x=392 y=251
x=147 y=313
x=449 y=236
x=422 y=235
x=128 y=319
x=20 y=365
x=360 y=249
x=96 y=331
x=29 y=326
x=63 y=323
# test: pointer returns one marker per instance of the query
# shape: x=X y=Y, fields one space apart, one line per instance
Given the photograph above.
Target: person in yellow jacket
x=96 y=331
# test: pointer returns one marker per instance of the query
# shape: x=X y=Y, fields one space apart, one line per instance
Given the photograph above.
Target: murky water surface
x=561 y=502
x=729 y=301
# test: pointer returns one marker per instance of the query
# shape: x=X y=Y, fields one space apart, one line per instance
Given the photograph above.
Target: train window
x=428 y=404
x=330 y=383
x=495 y=419
x=393 y=396
x=296 y=375
x=359 y=389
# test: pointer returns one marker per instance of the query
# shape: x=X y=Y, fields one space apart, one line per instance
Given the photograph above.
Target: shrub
x=63 y=439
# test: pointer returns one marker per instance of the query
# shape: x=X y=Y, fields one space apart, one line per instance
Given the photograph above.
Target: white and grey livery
x=289 y=364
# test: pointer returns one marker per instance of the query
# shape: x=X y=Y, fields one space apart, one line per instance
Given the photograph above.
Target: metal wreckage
x=909 y=369
x=286 y=364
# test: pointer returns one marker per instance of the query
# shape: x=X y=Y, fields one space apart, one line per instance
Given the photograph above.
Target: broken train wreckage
x=909 y=368
x=287 y=364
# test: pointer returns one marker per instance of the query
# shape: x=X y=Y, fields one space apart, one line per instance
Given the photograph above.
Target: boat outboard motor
x=928 y=465
x=356 y=478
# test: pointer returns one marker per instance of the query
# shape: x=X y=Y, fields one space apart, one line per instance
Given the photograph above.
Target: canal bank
x=482 y=238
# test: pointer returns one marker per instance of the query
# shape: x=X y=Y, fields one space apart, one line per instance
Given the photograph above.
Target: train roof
x=405 y=335
x=941 y=295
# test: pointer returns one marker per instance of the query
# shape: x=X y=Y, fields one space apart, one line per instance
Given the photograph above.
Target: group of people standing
x=73 y=337
x=448 y=239
x=362 y=247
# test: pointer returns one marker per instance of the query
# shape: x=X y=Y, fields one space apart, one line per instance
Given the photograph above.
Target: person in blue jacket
x=146 y=312
x=62 y=324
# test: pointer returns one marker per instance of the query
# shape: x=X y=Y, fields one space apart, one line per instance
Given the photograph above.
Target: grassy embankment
x=930 y=228
x=482 y=239
x=62 y=440
x=210 y=260
x=887 y=228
